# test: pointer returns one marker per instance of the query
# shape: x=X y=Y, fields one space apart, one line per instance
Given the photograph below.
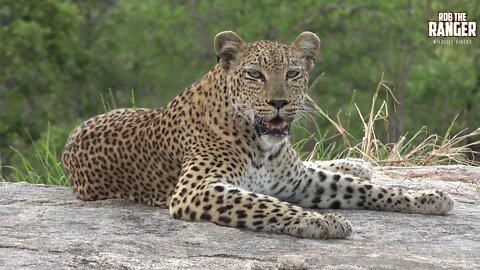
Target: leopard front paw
x=338 y=226
x=329 y=226
x=432 y=202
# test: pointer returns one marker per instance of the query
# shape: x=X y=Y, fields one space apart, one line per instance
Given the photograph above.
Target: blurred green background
x=58 y=57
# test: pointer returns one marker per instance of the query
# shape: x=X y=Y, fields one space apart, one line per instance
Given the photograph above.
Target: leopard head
x=267 y=80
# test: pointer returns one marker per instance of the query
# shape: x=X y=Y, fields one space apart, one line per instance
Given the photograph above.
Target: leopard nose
x=278 y=103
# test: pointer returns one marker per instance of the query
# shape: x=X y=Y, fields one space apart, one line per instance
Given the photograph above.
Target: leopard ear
x=227 y=47
x=306 y=47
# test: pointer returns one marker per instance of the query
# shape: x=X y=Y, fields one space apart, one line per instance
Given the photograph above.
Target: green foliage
x=59 y=58
x=42 y=166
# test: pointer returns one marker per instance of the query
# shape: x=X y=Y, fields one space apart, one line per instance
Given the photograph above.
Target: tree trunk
x=395 y=129
x=202 y=32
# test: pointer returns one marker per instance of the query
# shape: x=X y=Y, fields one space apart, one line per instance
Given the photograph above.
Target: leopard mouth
x=276 y=126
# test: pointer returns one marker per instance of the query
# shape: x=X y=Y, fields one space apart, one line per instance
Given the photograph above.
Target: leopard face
x=266 y=80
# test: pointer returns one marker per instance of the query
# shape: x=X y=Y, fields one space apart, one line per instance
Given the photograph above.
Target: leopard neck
x=215 y=105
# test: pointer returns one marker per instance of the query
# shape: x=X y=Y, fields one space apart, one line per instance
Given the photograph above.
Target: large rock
x=45 y=227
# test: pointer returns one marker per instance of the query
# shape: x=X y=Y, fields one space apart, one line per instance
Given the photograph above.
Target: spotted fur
x=219 y=151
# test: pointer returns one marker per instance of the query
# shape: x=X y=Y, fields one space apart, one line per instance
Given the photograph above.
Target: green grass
x=44 y=166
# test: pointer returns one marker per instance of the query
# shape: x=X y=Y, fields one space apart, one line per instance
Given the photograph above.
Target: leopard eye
x=255 y=74
x=292 y=74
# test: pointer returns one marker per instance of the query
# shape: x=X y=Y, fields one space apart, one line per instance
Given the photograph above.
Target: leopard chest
x=261 y=179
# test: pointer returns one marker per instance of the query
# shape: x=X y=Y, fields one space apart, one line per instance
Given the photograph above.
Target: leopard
x=220 y=151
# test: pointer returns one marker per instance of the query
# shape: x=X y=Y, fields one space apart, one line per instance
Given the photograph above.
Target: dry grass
x=420 y=149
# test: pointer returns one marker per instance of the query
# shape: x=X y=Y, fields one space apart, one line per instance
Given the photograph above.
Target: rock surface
x=45 y=227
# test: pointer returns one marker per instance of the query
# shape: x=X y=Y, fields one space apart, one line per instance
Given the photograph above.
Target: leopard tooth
x=276 y=126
